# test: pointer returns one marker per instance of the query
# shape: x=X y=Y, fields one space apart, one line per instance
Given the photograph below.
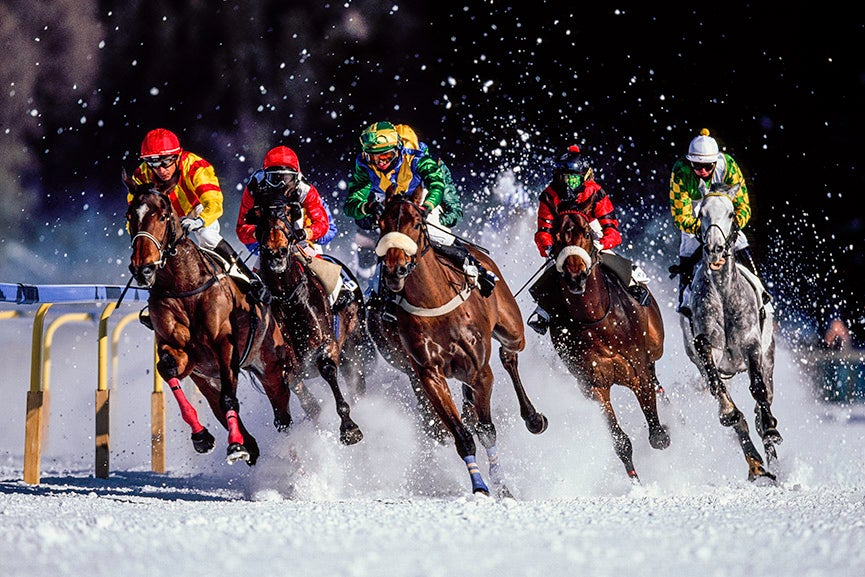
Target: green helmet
x=379 y=137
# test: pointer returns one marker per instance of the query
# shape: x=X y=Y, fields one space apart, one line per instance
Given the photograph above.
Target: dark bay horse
x=204 y=327
x=727 y=334
x=444 y=329
x=603 y=335
x=324 y=338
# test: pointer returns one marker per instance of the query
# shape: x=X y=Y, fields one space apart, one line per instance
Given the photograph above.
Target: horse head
x=154 y=227
x=403 y=237
x=575 y=248
x=718 y=226
x=276 y=208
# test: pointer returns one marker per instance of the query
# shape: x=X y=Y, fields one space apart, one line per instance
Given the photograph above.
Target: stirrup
x=538 y=323
x=258 y=293
x=486 y=280
x=640 y=293
x=342 y=300
x=144 y=318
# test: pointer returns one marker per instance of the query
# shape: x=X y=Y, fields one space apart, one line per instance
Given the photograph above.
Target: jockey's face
x=384 y=160
x=703 y=169
x=163 y=167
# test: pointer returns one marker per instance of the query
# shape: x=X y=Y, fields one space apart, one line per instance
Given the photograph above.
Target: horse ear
x=734 y=190
x=126 y=179
x=701 y=185
x=418 y=194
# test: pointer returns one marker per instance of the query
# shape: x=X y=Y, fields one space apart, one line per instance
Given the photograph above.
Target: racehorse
x=726 y=333
x=204 y=327
x=443 y=329
x=323 y=337
x=602 y=334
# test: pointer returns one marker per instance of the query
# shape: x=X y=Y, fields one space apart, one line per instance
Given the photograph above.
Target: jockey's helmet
x=160 y=142
x=572 y=169
x=703 y=149
x=379 y=137
x=281 y=168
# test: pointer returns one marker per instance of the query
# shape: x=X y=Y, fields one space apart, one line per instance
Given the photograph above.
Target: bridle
x=729 y=240
x=395 y=239
x=589 y=257
x=167 y=246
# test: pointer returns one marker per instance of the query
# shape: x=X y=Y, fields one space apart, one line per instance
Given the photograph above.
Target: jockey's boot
x=685 y=270
x=144 y=318
x=684 y=289
x=743 y=255
x=539 y=321
x=257 y=291
x=458 y=254
x=388 y=306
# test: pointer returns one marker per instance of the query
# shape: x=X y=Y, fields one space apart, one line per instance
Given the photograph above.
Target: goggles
x=710 y=166
x=160 y=161
x=384 y=158
x=573 y=181
x=279 y=177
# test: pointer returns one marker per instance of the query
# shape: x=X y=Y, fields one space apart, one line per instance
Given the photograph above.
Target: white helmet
x=703 y=148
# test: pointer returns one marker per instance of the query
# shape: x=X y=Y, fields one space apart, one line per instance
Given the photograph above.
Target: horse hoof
x=772 y=437
x=236 y=452
x=660 y=439
x=283 y=423
x=731 y=418
x=351 y=435
x=502 y=492
x=203 y=441
x=537 y=423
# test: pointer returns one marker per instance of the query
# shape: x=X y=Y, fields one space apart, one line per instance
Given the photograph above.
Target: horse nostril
x=401 y=271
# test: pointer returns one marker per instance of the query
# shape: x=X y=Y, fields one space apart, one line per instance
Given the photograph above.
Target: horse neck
x=185 y=270
x=430 y=283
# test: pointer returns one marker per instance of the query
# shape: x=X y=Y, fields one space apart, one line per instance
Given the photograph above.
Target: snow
x=394 y=505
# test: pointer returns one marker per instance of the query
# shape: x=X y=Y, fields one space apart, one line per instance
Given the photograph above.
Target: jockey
x=393 y=160
x=191 y=184
x=314 y=226
x=574 y=187
x=704 y=162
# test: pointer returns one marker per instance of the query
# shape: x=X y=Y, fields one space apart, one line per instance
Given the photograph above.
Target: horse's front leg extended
x=349 y=432
x=728 y=413
x=171 y=364
x=645 y=389
x=535 y=422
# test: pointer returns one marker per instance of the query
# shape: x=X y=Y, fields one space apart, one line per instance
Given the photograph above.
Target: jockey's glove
x=190 y=224
x=374 y=208
x=300 y=233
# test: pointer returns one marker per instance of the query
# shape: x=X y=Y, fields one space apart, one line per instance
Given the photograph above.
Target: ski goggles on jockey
x=697 y=166
x=279 y=177
x=160 y=161
x=383 y=159
x=573 y=181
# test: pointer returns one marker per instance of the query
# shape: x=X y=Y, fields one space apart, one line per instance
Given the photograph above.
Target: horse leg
x=765 y=422
x=659 y=435
x=241 y=444
x=486 y=430
x=307 y=400
x=439 y=395
x=728 y=413
x=469 y=412
x=169 y=369
x=752 y=457
x=621 y=441
x=535 y=422
x=277 y=393
x=349 y=432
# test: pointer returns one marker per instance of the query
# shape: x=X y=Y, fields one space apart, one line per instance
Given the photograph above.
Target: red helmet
x=281 y=156
x=160 y=142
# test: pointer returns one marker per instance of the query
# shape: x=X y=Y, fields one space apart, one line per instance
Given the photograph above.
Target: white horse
x=730 y=330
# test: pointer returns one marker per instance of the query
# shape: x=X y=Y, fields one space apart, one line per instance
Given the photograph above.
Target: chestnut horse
x=323 y=338
x=204 y=327
x=730 y=331
x=444 y=329
x=603 y=335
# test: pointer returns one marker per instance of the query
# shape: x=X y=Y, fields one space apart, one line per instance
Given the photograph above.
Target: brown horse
x=602 y=334
x=324 y=337
x=204 y=327
x=444 y=329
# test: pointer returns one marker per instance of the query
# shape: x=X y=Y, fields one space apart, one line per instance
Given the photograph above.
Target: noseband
x=730 y=240
x=402 y=241
x=587 y=257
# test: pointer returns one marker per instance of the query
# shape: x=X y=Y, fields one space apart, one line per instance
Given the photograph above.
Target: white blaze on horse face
x=396 y=240
x=573 y=251
x=716 y=220
x=141 y=211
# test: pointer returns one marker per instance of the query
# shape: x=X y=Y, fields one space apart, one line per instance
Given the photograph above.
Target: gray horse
x=730 y=331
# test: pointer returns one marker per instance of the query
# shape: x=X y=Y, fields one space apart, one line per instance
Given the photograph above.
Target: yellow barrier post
x=157 y=419
x=102 y=397
x=33 y=420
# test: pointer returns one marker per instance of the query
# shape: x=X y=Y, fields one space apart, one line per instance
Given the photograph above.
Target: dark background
x=494 y=88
